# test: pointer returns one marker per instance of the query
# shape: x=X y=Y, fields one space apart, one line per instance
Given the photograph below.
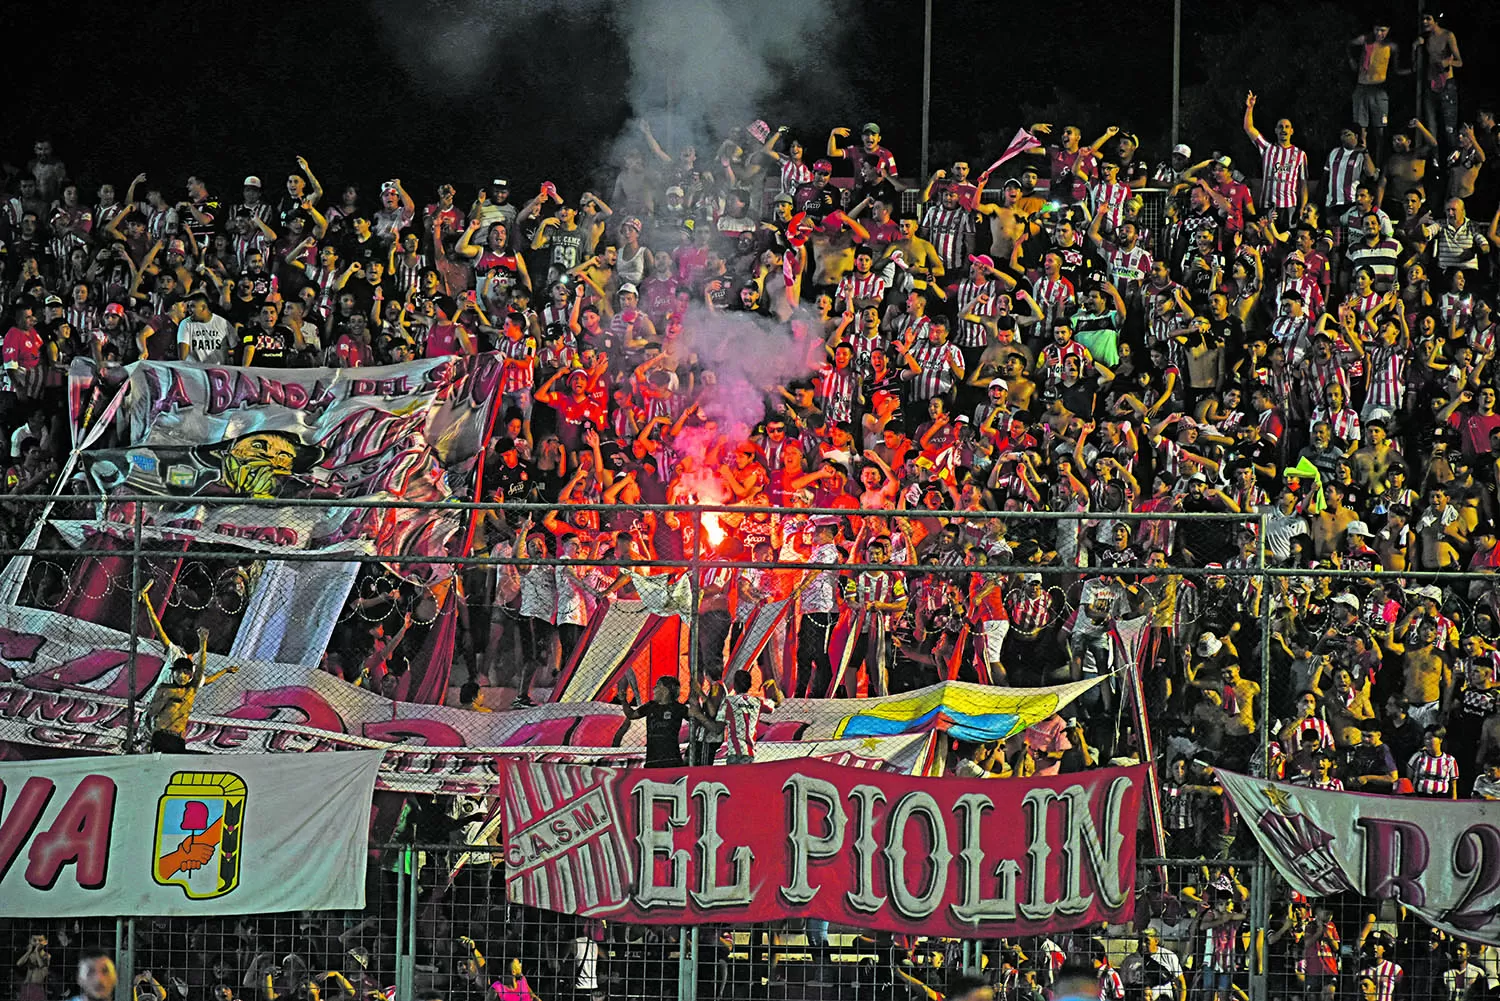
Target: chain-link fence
x=1206 y=629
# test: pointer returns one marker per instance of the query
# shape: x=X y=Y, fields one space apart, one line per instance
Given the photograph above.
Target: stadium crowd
x=1305 y=330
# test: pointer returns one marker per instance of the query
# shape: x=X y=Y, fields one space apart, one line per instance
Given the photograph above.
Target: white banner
x=185 y=835
x=1439 y=858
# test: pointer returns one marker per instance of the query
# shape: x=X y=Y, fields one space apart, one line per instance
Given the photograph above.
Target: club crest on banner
x=199 y=824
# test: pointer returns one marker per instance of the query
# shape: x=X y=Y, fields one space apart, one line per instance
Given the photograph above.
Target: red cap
x=983 y=260
x=823 y=165
x=114 y=309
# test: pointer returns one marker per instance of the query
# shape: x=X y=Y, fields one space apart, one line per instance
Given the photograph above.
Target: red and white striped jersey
x=1345 y=423
x=836 y=393
x=245 y=245
x=938 y=362
x=1283 y=171
x=1432 y=775
x=739 y=714
x=1386 y=975
x=1316 y=725
x=950 y=231
x=1344 y=169
x=519 y=358
x=1387 y=376
x=1128 y=269
x=854 y=287
x=794 y=175
x=1109 y=200
x=1325 y=373
x=969 y=334
x=1053 y=356
x=1308 y=287
x=1291 y=333
x=1055 y=298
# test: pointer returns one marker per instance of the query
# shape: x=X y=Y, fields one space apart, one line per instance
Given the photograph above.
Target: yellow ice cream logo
x=198 y=828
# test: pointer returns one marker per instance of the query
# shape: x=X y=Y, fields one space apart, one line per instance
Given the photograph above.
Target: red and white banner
x=185 y=835
x=763 y=842
x=1440 y=859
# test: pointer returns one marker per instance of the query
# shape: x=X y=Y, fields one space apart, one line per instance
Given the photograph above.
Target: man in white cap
x=251 y=201
x=1359 y=555
x=1169 y=173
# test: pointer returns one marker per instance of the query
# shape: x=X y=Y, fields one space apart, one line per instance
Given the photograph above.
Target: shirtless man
x=919 y=255
x=832 y=246
x=1426 y=676
x=1375 y=457
x=1406 y=168
x=1437 y=48
x=1372 y=57
x=1007 y=224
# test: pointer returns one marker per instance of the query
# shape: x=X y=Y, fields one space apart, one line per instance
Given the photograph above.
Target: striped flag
x=1020 y=143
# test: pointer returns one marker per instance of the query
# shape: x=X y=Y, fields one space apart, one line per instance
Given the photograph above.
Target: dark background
x=172 y=88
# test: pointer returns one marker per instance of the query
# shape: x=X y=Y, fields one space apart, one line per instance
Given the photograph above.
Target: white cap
x=1359 y=528
x=1345 y=599
x=1209 y=645
x=252 y=182
x=627 y=287
x=1182 y=149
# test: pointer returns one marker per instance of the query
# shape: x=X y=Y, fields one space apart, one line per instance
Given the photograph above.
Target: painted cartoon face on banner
x=199 y=820
x=260 y=464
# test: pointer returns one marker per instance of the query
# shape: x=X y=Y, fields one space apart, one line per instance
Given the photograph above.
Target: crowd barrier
x=79 y=591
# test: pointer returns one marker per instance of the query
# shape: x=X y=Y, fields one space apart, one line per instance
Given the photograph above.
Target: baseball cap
x=628 y=287
x=1359 y=528
x=823 y=165
x=1296 y=257
x=997 y=382
x=1224 y=161
x=1182 y=149
x=1031 y=578
x=52 y=300
x=782 y=199
x=870 y=127
x=675 y=189
x=1345 y=599
x=499 y=182
x=983 y=260
x=177 y=246
x=1209 y=645
x=252 y=182
x=1011 y=182
x=114 y=309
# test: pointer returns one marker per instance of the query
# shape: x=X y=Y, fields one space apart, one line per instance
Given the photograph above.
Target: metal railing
x=408 y=938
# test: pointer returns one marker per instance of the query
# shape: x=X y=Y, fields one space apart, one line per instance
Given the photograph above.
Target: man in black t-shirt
x=263 y=343
x=664 y=717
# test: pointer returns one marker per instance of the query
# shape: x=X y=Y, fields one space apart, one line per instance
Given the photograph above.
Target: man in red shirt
x=22 y=352
x=868 y=149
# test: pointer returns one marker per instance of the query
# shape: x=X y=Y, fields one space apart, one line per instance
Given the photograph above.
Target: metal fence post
x=125 y=959
x=135 y=618
x=405 y=925
x=687 y=938
x=1260 y=908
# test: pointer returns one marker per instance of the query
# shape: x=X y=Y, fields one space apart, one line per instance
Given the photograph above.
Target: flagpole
x=1176 y=70
x=926 y=85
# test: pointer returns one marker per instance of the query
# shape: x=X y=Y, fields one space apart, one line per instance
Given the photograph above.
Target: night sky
x=230 y=89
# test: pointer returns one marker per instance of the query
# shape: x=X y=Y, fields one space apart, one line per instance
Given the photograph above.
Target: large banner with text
x=185 y=835
x=1440 y=859
x=762 y=842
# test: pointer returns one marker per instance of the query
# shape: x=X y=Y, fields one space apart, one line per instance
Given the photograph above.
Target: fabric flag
x=757 y=633
x=1438 y=858
x=1019 y=143
x=661 y=594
